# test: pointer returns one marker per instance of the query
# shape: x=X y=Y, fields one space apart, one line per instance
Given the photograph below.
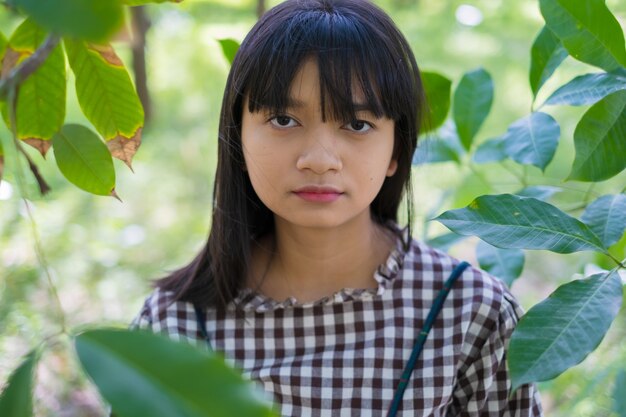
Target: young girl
x=306 y=283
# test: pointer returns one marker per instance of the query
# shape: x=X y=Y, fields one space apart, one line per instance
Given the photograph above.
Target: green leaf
x=3 y=45
x=441 y=147
x=229 y=48
x=532 y=140
x=619 y=393
x=16 y=399
x=93 y=20
x=540 y=192
x=84 y=159
x=107 y=96
x=446 y=241
x=606 y=217
x=437 y=90
x=508 y=221
x=562 y=330
x=143 y=374
x=588 y=30
x=41 y=99
x=546 y=55
x=491 y=150
x=1 y=160
x=505 y=264
x=587 y=89
x=599 y=140
x=472 y=102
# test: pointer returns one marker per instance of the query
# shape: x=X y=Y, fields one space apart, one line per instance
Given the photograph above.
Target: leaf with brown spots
x=40 y=107
x=107 y=96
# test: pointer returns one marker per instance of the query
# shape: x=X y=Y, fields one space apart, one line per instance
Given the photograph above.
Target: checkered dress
x=343 y=355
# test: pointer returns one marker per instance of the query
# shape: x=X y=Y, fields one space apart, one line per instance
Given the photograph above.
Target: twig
x=12 y=97
x=44 y=188
x=28 y=66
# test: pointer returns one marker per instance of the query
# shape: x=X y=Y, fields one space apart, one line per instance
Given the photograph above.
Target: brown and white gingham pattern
x=343 y=355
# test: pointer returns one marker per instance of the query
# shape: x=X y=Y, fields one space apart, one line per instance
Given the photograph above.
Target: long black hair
x=356 y=45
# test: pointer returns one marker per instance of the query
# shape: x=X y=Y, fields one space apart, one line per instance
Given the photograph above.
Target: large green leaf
x=506 y=264
x=587 y=89
x=107 y=96
x=562 y=330
x=93 y=20
x=143 y=374
x=508 y=221
x=41 y=99
x=606 y=217
x=17 y=398
x=491 y=150
x=619 y=393
x=472 y=102
x=588 y=30
x=599 y=140
x=532 y=140
x=229 y=48
x=546 y=55
x=1 y=160
x=84 y=159
x=437 y=89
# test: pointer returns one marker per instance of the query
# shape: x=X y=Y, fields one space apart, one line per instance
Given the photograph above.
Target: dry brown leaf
x=41 y=145
x=108 y=53
x=11 y=58
x=124 y=148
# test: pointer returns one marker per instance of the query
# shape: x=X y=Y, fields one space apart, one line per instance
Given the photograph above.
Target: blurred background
x=103 y=253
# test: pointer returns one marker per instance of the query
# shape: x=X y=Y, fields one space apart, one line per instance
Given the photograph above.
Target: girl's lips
x=318 y=194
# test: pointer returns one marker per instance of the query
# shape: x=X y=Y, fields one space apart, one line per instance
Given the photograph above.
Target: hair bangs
x=356 y=67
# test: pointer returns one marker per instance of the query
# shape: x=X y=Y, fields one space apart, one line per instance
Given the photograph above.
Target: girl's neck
x=309 y=264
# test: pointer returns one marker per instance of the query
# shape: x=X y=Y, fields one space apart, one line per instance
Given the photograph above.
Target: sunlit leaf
x=532 y=140
x=587 y=89
x=107 y=96
x=540 y=192
x=562 y=330
x=472 y=103
x=437 y=89
x=93 y=20
x=491 y=150
x=547 y=53
x=509 y=221
x=41 y=98
x=1 y=160
x=588 y=30
x=606 y=217
x=619 y=393
x=3 y=45
x=84 y=159
x=599 y=140
x=17 y=398
x=229 y=48
x=143 y=374
x=505 y=264
x=446 y=241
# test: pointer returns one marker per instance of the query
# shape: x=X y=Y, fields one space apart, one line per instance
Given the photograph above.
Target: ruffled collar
x=251 y=300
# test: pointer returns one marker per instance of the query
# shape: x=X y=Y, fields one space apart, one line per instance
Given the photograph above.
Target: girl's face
x=311 y=173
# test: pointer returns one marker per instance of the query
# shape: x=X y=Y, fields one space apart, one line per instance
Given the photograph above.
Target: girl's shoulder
x=161 y=313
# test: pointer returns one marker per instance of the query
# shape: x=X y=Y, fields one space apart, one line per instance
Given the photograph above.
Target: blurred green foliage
x=103 y=253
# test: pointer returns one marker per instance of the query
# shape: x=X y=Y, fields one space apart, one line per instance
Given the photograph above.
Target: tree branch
x=28 y=66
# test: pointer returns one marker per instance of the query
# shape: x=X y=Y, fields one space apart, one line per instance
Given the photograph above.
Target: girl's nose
x=320 y=154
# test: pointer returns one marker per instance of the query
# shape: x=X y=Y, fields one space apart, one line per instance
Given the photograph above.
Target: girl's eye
x=283 y=121
x=358 y=126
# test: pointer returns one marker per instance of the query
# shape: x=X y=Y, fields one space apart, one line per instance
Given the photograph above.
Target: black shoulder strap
x=423 y=335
